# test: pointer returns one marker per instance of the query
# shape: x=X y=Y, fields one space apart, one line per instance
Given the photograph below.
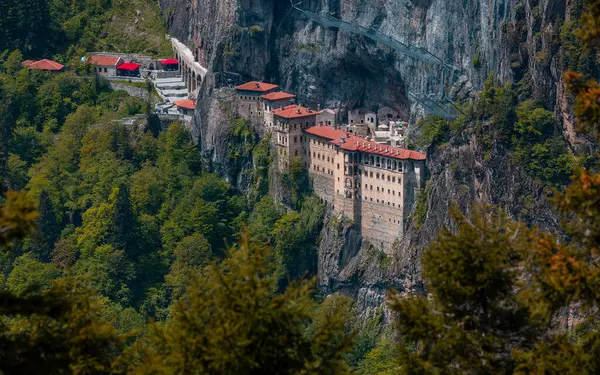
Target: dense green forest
x=121 y=253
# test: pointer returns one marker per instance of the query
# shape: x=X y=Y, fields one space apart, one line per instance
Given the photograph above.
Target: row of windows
x=246 y=97
x=285 y=126
x=321 y=169
x=382 y=190
x=381 y=176
x=100 y=70
x=370 y=199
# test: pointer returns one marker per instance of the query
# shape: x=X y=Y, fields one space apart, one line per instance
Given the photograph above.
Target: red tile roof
x=26 y=63
x=294 y=111
x=46 y=65
x=106 y=60
x=278 y=96
x=353 y=143
x=187 y=104
x=129 y=66
x=327 y=132
x=257 y=86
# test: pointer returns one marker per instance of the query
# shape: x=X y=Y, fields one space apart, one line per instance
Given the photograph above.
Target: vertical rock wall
x=517 y=40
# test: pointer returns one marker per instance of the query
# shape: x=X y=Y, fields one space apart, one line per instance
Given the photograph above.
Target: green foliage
x=18 y=214
x=526 y=130
x=475 y=315
x=295 y=235
x=253 y=331
x=420 y=212
x=537 y=148
x=432 y=129
x=63 y=330
x=50 y=27
x=30 y=276
x=383 y=359
x=477 y=62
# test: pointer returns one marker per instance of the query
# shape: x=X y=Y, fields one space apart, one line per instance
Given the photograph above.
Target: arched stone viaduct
x=191 y=71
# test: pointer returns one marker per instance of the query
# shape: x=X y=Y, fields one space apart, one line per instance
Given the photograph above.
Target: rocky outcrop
x=517 y=40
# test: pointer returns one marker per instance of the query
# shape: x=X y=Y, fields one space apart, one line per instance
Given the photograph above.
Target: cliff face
x=268 y=39
x=517 y=40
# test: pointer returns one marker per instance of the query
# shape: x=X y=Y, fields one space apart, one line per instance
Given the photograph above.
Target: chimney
x=298 y=111
x=257 y=85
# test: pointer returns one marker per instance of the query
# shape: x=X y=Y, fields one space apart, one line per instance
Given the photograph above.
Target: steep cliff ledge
x=519 y=41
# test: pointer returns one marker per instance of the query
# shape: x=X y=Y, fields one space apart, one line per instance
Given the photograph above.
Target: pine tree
x=232 y=322
x=124 y=225
x=498 y=288
x=47 y=231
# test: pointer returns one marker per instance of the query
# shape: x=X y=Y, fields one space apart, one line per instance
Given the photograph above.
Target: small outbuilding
x=106 y=65
x=45 y=64
x=186 y=107
x=129 y=69
x=170 y=65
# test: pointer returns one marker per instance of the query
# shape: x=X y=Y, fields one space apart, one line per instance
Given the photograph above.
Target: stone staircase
x=171 y=89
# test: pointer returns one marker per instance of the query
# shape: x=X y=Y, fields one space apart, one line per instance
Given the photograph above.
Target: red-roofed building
x=274 y=97
x=373 y=184
x=289 y=122
x=106 y=65
x=26 y=63
x=129 y=69
x=48 y=65
x=273 y=101
x=186 y=107
x=249 y=102
x=255 y=86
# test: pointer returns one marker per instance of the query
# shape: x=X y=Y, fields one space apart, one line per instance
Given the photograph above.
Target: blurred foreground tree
x=63 y=329
x=232 y=322
x=498 y=289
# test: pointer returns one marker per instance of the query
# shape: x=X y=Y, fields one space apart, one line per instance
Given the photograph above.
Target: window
x=338 y=166
x=105 y=70
x=371 y=187
x=393 y=179
x=377 y=175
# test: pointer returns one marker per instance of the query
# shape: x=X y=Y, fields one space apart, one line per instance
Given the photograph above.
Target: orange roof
x=327 y=132
x=294 y=111
x=187 y=104
x=278 y=96
x=105 y=60
x=353 y=143
x=26 y=63
x=46 y=65
x=257 y=86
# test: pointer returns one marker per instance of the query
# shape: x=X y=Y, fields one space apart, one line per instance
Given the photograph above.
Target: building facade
x=106 y=66
x=274 y=101
x=373 y=184
x=287 y=133
x=249 y=103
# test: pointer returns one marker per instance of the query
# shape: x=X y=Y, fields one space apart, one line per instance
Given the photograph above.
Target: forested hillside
x=121 y=252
